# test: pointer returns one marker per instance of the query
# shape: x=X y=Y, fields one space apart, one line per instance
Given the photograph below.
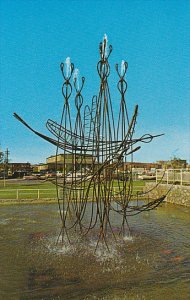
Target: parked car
x=30 y=177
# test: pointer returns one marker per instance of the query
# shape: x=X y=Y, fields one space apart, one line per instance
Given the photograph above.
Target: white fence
x=26 y=194
x=170 y=176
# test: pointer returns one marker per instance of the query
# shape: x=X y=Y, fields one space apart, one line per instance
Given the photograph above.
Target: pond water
x=154 y=263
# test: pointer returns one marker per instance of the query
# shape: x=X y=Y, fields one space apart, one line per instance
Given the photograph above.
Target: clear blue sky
x=152 y=35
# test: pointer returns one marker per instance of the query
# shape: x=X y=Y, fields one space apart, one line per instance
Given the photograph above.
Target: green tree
x=178 y=163
x=1 y=157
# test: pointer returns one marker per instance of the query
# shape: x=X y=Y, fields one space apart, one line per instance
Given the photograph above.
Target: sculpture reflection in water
x=97 y=144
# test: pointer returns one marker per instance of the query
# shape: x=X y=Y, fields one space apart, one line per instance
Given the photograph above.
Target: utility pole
x=6 y=164
x=2 y=161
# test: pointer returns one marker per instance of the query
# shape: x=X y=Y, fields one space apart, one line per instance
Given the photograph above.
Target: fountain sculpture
x=98 y=145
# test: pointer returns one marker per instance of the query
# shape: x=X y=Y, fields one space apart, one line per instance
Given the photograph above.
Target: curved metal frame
x=109 y=142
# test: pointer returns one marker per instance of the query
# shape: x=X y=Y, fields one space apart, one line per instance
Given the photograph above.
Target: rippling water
x=153 y=263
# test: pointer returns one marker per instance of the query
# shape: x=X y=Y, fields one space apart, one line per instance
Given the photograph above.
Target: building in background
x=40 y=168
x=74 y=163
x=139 y=167
x=15 y=170
x=69 y=162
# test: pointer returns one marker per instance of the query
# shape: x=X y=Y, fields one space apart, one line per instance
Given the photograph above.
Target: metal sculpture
x=98 y=144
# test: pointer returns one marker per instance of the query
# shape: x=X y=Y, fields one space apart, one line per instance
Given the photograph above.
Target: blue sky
x=153 y=36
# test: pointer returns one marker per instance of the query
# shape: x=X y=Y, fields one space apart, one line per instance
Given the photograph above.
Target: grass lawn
x=23 y=184
x=36 y=189
x=21 y=189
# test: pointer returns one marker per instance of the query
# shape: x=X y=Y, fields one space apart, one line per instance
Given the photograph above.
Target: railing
x=176 y=176
x=26 y=194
